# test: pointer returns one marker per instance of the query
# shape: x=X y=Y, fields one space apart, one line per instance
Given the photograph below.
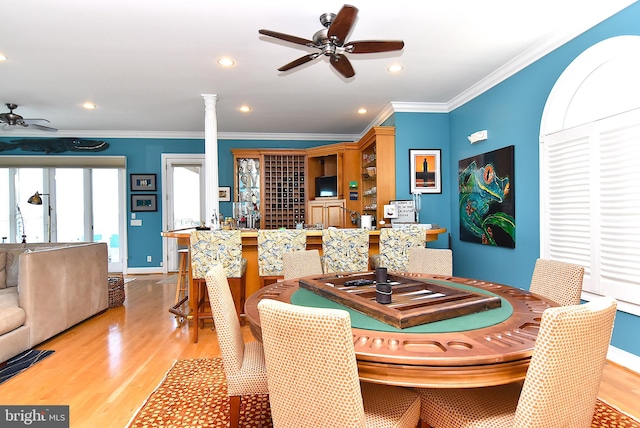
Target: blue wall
x=425 y=131
x=512 y=112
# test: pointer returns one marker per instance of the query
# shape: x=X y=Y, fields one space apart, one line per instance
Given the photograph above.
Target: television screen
x=327 y=186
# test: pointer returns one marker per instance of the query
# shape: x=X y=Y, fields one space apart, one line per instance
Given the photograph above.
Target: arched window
x=590 y=170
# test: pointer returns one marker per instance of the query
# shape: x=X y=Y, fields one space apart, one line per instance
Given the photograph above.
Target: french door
x=74 y=205
x=183 y=184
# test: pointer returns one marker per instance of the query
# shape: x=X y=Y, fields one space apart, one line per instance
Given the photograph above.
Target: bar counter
x=314 y=241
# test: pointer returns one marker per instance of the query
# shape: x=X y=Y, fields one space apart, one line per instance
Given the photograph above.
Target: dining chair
x=345 y=250
x=558 y=281
x=207 y=248
x=272 y=244
x=244 y=364
x=437 y=261
x=394 y=247
x=297 y=264
x=561 y=385
x=313 y=376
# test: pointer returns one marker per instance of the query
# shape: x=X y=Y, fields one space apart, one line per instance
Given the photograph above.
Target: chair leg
x=234 y=410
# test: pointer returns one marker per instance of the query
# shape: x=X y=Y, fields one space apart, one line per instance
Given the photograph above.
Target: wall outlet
x=148 y=259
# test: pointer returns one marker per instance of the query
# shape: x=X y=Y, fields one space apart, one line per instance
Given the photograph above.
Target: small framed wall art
x=144 y=202
x=143 y=182
x=426 y=172
x=224 y=194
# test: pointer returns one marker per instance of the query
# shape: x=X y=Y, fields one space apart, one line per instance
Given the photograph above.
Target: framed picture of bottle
x=425 y=169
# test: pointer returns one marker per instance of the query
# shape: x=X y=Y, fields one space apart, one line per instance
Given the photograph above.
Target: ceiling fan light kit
x=331 y=41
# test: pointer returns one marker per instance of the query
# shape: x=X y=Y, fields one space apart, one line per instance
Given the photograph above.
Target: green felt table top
x=359 y=320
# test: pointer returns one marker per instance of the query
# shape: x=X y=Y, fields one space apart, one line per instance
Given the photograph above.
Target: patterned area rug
x=16 y=365
x=194 y=394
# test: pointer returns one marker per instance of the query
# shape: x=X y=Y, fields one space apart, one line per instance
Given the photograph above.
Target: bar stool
x=395 y=244
x=345 y=250
x=216 y=247
x=272 y=244
x=182 y=286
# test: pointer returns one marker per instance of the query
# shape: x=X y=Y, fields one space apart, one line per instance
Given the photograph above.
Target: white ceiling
x=145 y=63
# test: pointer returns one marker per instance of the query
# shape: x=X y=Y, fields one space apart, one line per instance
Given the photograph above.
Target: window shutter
x=590 y=199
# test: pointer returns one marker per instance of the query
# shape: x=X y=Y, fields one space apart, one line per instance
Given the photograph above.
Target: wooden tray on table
x=414 y=301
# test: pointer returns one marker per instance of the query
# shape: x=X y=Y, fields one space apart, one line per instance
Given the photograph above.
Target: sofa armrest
x=60 y=287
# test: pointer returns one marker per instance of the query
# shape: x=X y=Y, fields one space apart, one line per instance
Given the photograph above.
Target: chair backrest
x=395 y=244
x=216 y=246
x=311 y=366
x=558 y=281
x=345 y=250
x=297 y=264
x=272 y=244
x=226 y=320
x=437 y=261
x=562 y=382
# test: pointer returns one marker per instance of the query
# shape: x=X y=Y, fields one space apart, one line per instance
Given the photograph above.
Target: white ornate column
x=212 y=197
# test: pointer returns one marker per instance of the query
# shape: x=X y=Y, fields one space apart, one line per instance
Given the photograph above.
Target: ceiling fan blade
x=341 y=25
x=33 y=121
x=299 y=61
x=287 y=38
x=342 y=64
x=42 y=127
x=373 y=46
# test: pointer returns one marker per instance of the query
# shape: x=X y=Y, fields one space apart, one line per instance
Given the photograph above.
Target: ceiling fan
x=331 y=42
x=12 y=120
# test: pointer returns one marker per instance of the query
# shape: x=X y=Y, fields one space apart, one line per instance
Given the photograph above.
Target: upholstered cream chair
x=297 y=264
x=216 y=246
x=345 y=250
x=394 y=247
x=562 y=382
x=438 y=261
x=558 y=281
x=272 y=244
x=313 y=375
x=244 y=364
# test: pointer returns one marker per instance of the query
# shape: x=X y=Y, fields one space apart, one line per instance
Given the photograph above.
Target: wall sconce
x=36 y=199
x=478 y=136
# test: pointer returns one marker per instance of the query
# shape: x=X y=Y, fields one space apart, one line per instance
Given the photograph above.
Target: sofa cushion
x=3 y=269
x=11 y=318
x=13 y=265
x=9 y=297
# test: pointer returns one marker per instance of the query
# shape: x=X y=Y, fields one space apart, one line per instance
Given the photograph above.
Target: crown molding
x=584 y=22
x=285 y=137
x=180 y=135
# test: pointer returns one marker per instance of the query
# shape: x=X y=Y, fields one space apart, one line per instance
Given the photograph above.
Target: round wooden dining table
x=473 y=350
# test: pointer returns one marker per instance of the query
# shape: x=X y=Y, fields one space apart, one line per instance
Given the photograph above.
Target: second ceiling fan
x=331 y=42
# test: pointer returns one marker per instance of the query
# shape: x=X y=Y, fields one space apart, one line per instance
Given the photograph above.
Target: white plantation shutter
x=590 y=203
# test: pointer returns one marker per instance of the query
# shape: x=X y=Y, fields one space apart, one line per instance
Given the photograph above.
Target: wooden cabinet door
x=334 y=213
x=316 y=212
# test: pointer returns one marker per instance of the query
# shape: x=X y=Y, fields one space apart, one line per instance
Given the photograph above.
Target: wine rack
x=284 y=191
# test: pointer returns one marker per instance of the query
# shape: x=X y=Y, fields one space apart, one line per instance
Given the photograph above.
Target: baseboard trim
x=624 y=359
x=144 y=271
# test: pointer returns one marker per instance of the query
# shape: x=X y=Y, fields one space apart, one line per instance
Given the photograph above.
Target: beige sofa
x=47 y=288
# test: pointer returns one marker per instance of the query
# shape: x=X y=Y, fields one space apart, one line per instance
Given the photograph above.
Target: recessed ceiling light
x=89 y=106
x=362 y=110
x=396 y=68
x=226 y=62
x=2 y=57
x=244 y=109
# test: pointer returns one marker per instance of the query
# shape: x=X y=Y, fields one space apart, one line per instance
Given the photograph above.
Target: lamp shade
x=35 y=199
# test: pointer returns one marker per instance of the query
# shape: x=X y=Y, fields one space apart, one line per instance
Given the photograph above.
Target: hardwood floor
x=105 y=367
